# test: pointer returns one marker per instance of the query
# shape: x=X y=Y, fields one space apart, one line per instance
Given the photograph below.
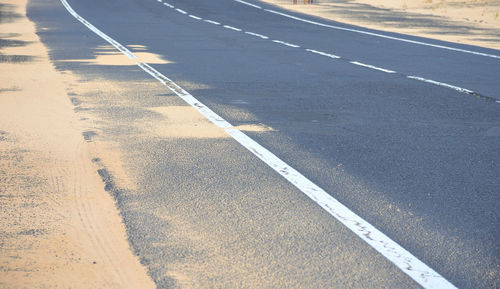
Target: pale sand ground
x=59 y=228
x=474 y=22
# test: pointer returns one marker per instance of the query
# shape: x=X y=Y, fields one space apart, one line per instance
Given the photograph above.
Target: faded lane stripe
x=286 y=43
x=257 y=35
x=323 y=53
x=249 y=4
x=372 y=67
x=232 y=28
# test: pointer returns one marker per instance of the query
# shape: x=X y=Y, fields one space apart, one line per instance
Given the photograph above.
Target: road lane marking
x=257 y=35
x=463 y=90
x=232 y=28
x=168 y=5
x=372 y=67
x=323 y=53
x=286 y=43
x=249 y=4
x=404 y=260
x=181 y=11
x=212 y=22
x=382 y=35
x=194 y=17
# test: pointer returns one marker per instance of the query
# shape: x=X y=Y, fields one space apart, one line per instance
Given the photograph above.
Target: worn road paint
x=181 y=11
x=463 y=90
x=212 y=22
x=232 y=28
x=194 y=17
x=249 y=4
x=404 y=260
x=323 y=53
x=286 y=43
x=372 y=67
x=257 y=35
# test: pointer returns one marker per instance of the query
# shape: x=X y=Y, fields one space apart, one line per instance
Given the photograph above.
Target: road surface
x=403 y=131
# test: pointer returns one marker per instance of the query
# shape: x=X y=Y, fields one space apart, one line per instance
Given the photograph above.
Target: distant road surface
x=313 y=116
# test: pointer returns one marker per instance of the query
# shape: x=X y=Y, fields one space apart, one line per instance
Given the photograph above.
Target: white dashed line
x=249 y=4
x=194 y=17
x=404 y=260
x=323 y=53
x=463 y=90
x=372 y=67
x=257 y=35
x=460 y=89
x=232 y=28
x=286 y=43
x=181 y=11
x=212 y=22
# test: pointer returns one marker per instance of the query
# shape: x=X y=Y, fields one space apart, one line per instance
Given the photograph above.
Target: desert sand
x=59 y=228
x=474 y=22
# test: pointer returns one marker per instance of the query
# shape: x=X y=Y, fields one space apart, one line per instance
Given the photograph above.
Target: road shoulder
x=59 y=227
x=465 y=22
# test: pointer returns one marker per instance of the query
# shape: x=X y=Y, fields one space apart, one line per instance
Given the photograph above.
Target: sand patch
x=187 y=122
x=108 y=55
x=58 y=227
x=181 y=122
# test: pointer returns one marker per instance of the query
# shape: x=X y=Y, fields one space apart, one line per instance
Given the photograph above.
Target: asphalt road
x=417 y=160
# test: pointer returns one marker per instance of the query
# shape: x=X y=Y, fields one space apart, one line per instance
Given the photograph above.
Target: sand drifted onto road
x=474 y=22
x=59 y=228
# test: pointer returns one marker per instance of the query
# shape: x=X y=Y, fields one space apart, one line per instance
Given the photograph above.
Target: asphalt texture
x=418 y=161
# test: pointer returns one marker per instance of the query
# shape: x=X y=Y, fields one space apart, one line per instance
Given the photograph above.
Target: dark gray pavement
x=418 y=161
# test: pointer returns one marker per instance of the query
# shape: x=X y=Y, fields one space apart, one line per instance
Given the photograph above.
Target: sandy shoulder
x=59 y=228
x=474 y=22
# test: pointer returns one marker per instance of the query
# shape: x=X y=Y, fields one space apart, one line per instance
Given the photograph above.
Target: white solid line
x=194 y=17
x=383 y=36
x=323 y=53
x=181 y=11
x=232 y=28
x=403 y=259
x=212 y=22
x=168 y=5
x=286 y=43
x=249 y=4
x=256 y=34
x=372 y=67
x=460 y=89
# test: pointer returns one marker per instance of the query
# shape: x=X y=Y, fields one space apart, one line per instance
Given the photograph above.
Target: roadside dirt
x=59 y=228
x=474 y=22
